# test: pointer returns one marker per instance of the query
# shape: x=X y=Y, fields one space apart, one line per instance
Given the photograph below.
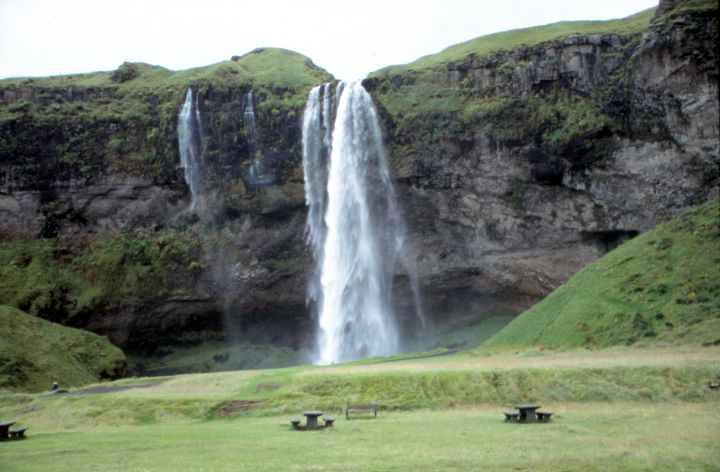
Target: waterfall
x=353 y=228
x=249 y=115
x=315 y=142
x=190 y=146
x=255 y=170
x=259 y=174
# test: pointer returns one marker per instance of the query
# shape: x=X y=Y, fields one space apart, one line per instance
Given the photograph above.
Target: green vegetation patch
x=60 y=279
x=34 y=353
x=659 y=288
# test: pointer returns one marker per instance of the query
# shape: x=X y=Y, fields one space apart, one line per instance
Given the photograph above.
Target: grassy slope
x=35 y=352
x=661 y=287
x=487 y=45
x=266 y=67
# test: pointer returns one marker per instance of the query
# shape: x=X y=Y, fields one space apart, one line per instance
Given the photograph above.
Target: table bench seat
x=17 y=433
x=544 y=416
x=511 y=416
x=295 y=422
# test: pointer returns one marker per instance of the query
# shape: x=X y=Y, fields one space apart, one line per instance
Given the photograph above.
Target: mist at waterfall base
x=354 y=229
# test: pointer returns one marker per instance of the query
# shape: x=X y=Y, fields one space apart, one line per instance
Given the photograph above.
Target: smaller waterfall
x=255 y=170
x=250 y=127
x=258 y=173
x=190 y=147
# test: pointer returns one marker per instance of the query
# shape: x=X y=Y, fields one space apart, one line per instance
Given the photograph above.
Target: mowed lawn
x=583 y=437
x=655 y=412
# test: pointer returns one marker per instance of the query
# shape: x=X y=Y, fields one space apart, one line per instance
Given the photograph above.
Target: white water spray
x=353 y=229
x=190 y=146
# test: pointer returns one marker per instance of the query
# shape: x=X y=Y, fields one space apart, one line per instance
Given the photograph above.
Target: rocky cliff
x=519 y=166
x=95 y=211
x=518 y=159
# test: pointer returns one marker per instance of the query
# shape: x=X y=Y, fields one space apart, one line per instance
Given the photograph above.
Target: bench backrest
x=362 y=406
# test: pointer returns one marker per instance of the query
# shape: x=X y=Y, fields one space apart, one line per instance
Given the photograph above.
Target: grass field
x=615 y=409
x=585 y=436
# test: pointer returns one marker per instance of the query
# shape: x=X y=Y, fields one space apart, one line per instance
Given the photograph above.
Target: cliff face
x=515 y=167
x=547 y=156
x=95 y=211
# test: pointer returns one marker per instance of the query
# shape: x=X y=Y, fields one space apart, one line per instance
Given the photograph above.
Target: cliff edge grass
x=485 y=46
x=269 y=67
x=660 y=288
x=84 y=126
x=35 y=352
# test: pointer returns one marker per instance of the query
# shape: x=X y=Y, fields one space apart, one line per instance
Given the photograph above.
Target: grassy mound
x=35 y=352
x=661 y=287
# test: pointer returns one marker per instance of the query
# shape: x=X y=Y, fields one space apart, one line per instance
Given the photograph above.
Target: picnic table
x=312 y=418
x=5 y=429
x=527 y=412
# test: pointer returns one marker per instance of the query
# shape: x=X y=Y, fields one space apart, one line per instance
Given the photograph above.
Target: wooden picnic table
x=312 y=418
x=527 y=412
x=5 y=428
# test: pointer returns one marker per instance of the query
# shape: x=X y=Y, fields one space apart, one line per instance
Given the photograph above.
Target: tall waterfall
x=353 y=228
x=190 y=146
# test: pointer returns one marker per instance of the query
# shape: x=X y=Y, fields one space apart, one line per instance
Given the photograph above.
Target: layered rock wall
x=514 y=170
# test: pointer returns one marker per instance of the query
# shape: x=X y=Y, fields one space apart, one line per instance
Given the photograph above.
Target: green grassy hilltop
x=659 y=288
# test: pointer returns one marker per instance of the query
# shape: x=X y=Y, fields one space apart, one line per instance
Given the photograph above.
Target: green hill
x=486 y=45
x=659 y=288
x=83 y=125
x=35 y=352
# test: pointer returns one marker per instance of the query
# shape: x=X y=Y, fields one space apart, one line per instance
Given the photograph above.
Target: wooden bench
x=511 y=416
x=295 y=422
x=329 y=420
x=544 y=416
x=360 y=407
x=17 y=433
